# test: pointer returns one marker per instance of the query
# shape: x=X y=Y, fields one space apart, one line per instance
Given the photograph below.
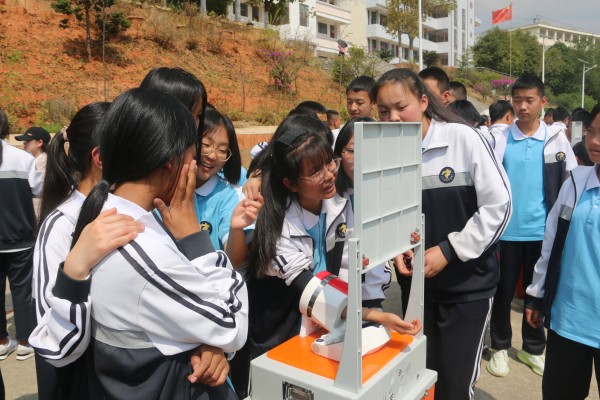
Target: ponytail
x=92 y=206
x=65 y=171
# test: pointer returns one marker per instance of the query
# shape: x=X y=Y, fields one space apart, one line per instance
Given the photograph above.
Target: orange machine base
x=297 y=353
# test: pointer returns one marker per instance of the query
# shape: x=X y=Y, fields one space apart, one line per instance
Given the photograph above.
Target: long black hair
x=141 y=131
x=180 y=83
x=214 y=120
x=65 y=171
x=293 y=148
x=344 y=182
x=411 y=82
x=3 y=130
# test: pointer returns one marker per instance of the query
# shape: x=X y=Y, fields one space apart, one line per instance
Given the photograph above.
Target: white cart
x=387 y=208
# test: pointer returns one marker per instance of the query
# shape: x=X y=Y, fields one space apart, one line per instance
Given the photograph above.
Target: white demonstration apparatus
x=336 y=356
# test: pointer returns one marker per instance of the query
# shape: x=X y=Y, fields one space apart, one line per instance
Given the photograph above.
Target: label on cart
x=294 y=392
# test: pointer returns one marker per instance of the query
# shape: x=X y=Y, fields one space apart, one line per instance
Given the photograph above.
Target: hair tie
x=63 y=132
x=288 y=137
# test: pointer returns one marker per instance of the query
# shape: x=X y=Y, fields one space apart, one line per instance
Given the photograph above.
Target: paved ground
x=520 y=384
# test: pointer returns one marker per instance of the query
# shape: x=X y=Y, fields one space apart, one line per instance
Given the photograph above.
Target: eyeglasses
x=319 y=177
x=591 y=131
x=349 y=156
x=222 y=153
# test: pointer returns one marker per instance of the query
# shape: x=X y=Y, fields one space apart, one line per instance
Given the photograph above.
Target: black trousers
x=515 y=256
x=18 y=267
x=455 y=334
x=568 y=369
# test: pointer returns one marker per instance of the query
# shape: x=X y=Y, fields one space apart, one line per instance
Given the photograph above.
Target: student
x=466 y=202
x=304 y=229
x=333 y=120
x=501 y=116
x=69 y=179
x=549 y=116
x=563 y=293
x=561 y=119
x=579 y=149
x=458 y=91
x=359 y=102
x=312 y=107
x=171 y=296
x=36 y=143
x=537 y=161
x=467 y=111
x=19 y=182
x=215 y=197
x=438 y=83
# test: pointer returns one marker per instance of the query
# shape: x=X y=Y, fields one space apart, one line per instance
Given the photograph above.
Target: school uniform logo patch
x=341 y=230
x=561 y=156
x=447 y=175
x=206 y=226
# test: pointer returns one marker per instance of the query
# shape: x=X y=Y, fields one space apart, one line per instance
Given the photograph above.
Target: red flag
x=504 y=14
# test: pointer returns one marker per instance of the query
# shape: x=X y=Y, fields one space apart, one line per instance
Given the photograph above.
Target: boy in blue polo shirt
x=537 y=161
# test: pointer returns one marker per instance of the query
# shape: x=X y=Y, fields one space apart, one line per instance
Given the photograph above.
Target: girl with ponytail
x=70 y=176
x=159 y=297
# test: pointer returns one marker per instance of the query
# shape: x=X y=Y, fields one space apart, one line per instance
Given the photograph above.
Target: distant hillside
x=44 y=75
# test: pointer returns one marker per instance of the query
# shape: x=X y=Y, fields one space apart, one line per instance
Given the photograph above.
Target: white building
x=361 y=23
x=550 y=34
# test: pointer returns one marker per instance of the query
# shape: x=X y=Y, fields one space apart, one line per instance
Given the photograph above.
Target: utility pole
x=585 y=70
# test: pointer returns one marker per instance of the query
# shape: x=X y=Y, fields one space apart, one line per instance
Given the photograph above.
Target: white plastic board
x=387 y=187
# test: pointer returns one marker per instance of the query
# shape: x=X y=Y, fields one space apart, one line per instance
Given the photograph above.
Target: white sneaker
x=536 y=363
x=24 y=352
x=6 y=349
x=498 y=365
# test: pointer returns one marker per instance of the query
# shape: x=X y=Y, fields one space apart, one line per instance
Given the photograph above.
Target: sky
x=581 y=15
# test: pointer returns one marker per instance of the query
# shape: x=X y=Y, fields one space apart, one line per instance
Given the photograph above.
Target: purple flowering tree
x=502 y=87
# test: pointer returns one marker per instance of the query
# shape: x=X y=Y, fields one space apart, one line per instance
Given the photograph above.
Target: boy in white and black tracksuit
x=19 y=182
x=466 y=202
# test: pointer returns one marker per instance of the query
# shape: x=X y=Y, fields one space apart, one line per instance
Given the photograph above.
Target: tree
x=403 y=17
x=493 y=50
x=355 y=64
x=111 y=23
x=272 y=7
x=430 y=58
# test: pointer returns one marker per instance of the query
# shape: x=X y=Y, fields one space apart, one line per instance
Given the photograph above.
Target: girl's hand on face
x=180 y=217
x=246 y=212
x=106 y=233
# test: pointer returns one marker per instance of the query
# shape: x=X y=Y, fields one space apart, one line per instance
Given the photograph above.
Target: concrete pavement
x=520 y=384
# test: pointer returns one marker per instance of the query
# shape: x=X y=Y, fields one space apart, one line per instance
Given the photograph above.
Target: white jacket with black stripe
x=467 y=206
x=154 y=301
x=294 y=253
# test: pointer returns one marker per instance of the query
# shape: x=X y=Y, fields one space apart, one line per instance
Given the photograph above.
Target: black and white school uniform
x=155 y=301
x=467 y=206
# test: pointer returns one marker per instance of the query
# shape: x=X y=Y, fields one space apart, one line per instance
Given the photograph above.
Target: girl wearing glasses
x=304 y=229
x=218 y=207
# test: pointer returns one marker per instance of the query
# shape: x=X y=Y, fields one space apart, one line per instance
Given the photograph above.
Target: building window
x=405 y=53
x=303 y=15
x=322 y=28
x=244 y=10
x=383 y=20
x=464 y=42
x=255 y=14
x=373 y=44
x=455 y=39
x=332 y=31
x=384 y=46
x=415 y=54
x=464 y=19
x=373 y=18
x=455 y=17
